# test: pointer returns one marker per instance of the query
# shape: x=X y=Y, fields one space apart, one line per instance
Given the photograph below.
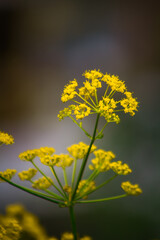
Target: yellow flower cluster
x=66 y=112
x=9 y=229
x=107 y=107
x=5 y=138
x=18 y=222
x=89 y=102
x=119 y=168
x=69 y=91
x=29 y=155
x=114 y=83
x=102 y=160
x=81 y=111
x=43 y=151
x=79 y=150
x=25 y=224
x=130 y=104
x=63 y=160
x=42 y=183
x=85 y=186
x=131 y=189
x=27 y=174
x=49 y=160
x=69 y=236
x=8 y=174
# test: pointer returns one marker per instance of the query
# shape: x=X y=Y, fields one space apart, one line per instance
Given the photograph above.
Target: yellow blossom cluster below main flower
x=18 y=223
x=86 y=100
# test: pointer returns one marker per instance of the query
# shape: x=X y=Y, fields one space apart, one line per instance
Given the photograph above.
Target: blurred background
x=45 y=44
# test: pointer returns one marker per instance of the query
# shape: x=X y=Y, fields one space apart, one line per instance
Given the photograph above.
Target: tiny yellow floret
x=131 y=189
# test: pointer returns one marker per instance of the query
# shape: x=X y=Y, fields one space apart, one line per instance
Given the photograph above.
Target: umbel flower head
x=86 y=100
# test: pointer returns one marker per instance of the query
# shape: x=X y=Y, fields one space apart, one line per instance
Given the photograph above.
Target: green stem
x=80 y=127
x=87 y=102
x=102 y=130
x=96 y=96
x=106 y=91
x=55 y=174
x=74 y=172
x=92 y=101
x=73 y=222
x=51 y=193
x=101 y=185
x=46 y=177
x=92 y=176
x=37 y=194
x=65 y=176
x=86 y=157
x=103 y=199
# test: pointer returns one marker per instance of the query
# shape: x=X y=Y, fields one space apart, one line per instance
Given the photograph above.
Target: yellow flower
x=2 y=232
x=66 y=112
x=29 y=155
x=28 y=222
x=81 y=111
x=131 y=189
x=67 y=236
x=92 y=74
x=89 y=103
x=102 y=160
x=114 y=82
x=107 y=107
x=130 y=104
x=63 y=160
x=42 y=183
x=85 y=186
x=69 y=91
x=86 y=238
x=67 y=189
x=119 y=168
x=27 y=174
x=10 y=229
x=5 y=138
x=8 y=174
x=49 y=160
x=43 y=151
x=79 y=150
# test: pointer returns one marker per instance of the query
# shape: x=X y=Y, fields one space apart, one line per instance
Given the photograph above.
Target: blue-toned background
x=43 y=45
